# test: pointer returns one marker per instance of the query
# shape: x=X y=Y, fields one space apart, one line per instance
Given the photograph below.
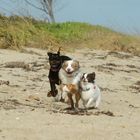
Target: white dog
x=90 y=92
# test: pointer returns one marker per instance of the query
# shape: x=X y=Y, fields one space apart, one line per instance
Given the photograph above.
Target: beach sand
x=26 y=113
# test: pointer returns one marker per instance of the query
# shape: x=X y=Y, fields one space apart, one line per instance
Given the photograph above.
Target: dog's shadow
x=77 y=111
x=82 y=111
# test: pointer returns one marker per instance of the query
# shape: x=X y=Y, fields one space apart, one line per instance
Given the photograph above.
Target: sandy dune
x=26 y=113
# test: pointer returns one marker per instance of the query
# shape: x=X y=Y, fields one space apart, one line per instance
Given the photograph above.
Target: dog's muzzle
x=69 y=71
x=55 y=65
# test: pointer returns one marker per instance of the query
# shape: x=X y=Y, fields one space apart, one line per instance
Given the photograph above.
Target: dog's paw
x=52 y=94
x=49 y=94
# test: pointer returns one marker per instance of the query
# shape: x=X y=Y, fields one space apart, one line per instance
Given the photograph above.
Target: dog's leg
x=97 y=101
x=63 y=96
x=84 y=104
x=77 y=98
x=89 y=103
x=53 y=91
x=71 y=100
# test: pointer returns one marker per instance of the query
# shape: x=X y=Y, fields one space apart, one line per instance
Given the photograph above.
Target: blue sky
x=120 y=15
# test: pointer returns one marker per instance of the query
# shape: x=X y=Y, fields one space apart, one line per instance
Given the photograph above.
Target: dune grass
x=19 y=32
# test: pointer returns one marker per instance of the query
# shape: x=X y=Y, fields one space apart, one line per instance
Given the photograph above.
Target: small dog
x=90 y=92
x=55 y=60
x=68 y=91
x=70 y=74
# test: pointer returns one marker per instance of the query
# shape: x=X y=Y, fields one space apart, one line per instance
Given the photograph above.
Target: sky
x=120 y=15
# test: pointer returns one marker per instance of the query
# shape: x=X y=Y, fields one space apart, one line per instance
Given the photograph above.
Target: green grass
x=19 y=32
x=71 y=31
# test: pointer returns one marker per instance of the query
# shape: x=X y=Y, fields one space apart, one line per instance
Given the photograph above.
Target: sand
x=26 y=113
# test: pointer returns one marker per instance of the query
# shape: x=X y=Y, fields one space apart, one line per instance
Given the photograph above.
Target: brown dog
x=69 y=90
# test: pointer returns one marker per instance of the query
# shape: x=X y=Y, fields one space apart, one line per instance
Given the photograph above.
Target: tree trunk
x=52 y=19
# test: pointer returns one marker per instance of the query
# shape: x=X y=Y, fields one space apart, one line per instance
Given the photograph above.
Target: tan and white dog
x=70 y=74
x=68 y=91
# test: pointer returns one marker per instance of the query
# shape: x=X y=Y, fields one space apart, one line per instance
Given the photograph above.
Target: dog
x=55 y=60
x=90 y=92
x=70 y=90
x=70 y=74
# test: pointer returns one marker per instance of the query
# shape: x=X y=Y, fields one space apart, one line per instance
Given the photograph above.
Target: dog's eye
x=57 y=57
x=54 y=57
x=64 y=65
x=75 y=65
x=55 y=62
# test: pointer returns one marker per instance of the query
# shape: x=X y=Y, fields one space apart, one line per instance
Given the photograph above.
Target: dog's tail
x=58 y=52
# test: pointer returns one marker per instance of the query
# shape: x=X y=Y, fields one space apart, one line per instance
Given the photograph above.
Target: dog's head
x=70 y=66
x=88 y=77
x=55 y=60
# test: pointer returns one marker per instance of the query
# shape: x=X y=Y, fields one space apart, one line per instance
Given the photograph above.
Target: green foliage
x=18 y=32
x=72 y=31
x=67 y=31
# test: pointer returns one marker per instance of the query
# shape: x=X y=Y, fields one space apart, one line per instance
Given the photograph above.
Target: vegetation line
x=19 y=32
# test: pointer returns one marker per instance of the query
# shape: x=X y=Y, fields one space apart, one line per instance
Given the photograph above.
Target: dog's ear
x=49 y=54
x=93 y=75
x=58 y=52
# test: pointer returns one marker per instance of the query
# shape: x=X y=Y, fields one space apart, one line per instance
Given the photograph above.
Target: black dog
x=56 y=60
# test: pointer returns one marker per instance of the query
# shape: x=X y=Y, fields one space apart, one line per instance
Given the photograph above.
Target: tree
x=46 y=6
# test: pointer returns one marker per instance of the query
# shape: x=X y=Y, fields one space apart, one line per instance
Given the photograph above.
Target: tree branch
x=44 y=7
x=35 y=6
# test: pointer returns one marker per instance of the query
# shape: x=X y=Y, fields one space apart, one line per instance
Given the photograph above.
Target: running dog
x=55 y=60
x=90 y=92
x=70 y=76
